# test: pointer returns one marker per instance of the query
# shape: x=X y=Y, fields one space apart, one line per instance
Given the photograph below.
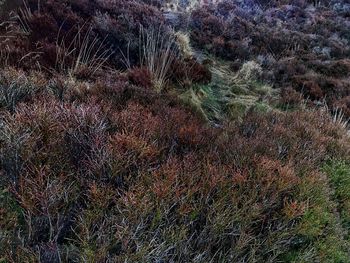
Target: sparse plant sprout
x=24 y=17
x=86 y=52
x=337 y=114
x=340 y=118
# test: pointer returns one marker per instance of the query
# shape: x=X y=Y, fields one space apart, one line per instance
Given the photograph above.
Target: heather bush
x=80 y=39
x=14 y=91
x=164 y=178
x=188 y=72
x=140 y=77
x=284 y=38
x=242 y=158
x=55 y=24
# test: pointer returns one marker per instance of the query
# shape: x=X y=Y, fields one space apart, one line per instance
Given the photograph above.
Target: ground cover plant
x=170 y=131
x=301 y=46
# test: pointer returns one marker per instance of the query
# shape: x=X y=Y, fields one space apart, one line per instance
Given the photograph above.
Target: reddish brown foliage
x=103 y=168
x=145 y=155
x=189 y=71
x=291 y=97
x=60 y=21
x=140 y=77
x=291 y=48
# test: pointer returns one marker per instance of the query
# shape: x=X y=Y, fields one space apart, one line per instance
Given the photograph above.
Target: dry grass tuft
x=158 y=52
x=85 y=53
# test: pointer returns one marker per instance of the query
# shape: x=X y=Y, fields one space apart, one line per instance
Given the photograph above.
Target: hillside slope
x=133 y=131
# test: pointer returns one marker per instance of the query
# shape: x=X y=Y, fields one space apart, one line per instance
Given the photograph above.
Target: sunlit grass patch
x=339 y=174
x=320 y=234
x=230 y=94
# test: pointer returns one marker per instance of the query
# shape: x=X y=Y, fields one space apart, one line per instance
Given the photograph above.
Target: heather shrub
x=164 y=178
x=140 y=77
x=189 y=72
x=283 y=38
x=242 y=157
x=11 y=93
x=80 y=39
x=121 y=25
x=37 y=146
x=17 y=86
x=290 y=97
x=53 y=25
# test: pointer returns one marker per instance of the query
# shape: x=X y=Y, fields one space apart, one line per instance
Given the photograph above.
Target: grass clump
x=158 y=52
x=230 y=94
x=324 y=226
x=320 y=226
x=339 y=174
x=15 y=87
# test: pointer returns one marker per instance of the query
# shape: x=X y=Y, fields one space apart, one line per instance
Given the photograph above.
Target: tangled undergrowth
x=302 y=48
x=119 y=142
